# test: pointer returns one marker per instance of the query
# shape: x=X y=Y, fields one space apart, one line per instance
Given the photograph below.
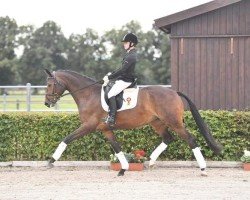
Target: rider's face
x=126 y=45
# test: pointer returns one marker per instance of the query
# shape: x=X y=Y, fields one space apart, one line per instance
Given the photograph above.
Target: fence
x=31 y=98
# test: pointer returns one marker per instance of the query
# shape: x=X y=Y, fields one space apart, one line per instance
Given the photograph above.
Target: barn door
x=212 y=71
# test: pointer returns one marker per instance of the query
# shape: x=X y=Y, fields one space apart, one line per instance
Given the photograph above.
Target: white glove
x=106 y=80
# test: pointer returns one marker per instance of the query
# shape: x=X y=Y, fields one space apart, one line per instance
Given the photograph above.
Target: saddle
x=126 y=99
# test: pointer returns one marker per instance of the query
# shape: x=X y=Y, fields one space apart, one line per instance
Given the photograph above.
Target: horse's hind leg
x=167 y=138
x=184 y=134
x=119 y=154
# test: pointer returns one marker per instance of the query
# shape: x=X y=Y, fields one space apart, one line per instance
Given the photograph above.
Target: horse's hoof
x=152 y=166
x=50 y=165
x=121 y=172
x=204 y=173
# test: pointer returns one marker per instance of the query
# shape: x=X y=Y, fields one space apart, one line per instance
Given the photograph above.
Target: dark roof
x=164 y=23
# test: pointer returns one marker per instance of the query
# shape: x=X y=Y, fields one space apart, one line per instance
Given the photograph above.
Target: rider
x=123 y=76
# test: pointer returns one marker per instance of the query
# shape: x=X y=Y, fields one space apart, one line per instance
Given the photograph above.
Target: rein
x=101 y=81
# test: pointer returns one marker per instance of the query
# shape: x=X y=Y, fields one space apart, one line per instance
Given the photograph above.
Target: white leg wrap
x=122 y=160
x=157 y=152
x=60 y=149
x=199 y=158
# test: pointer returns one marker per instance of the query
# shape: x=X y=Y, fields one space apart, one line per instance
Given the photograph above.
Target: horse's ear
x=48 y=72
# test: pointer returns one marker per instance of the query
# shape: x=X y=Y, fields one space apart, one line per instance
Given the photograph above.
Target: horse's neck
x=74 y=83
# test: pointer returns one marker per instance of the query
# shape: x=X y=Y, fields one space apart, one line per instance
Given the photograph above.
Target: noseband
x=55 y=96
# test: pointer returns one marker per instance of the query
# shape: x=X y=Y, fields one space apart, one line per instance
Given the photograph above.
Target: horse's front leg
x=117 y=148
x=80 y=132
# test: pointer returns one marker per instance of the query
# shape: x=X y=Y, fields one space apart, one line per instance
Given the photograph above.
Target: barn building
x=210 y=53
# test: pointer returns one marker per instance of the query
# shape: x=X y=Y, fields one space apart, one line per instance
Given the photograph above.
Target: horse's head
x=54 y=89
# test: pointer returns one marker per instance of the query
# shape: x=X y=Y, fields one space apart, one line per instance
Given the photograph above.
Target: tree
x=161 y=64
x=86 y=54
x=7 y=71
x=45 y=49
x=8 y=32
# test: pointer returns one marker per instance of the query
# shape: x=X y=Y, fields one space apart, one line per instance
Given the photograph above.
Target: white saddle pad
x=130 y=97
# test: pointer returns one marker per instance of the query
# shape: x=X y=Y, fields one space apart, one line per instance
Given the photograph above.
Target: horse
x=158 y=106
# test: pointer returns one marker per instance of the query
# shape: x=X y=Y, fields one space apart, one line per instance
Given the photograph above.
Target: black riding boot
x=112 y=112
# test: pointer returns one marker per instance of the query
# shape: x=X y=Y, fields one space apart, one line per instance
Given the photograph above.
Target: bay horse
x=158 y=106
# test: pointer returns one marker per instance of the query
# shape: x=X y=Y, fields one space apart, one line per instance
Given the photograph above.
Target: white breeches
x=118 y=87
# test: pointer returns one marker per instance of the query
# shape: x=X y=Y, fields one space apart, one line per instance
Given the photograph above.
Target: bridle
x=101 y=82
x=55 y=96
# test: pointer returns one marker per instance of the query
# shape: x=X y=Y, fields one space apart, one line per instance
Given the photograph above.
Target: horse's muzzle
x=47 y=104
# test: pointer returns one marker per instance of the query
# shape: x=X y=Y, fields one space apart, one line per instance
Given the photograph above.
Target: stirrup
x=110 y=121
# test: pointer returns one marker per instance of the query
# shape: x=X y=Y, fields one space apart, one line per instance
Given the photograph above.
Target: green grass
x=15 y=101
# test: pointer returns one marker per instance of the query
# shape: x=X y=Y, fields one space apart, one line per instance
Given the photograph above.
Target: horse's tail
x=202 y=126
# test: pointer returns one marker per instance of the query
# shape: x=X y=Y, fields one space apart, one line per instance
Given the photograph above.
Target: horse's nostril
x=47 y=104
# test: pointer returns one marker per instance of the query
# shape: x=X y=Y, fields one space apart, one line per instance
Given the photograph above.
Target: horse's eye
x=49 y=85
